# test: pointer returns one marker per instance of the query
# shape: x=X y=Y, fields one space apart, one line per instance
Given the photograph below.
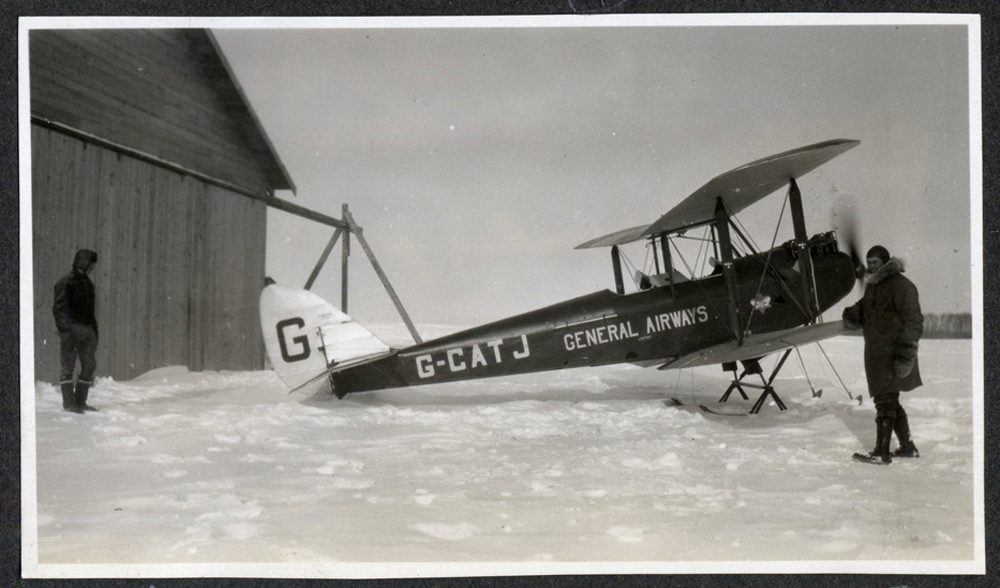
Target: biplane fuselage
x=755 y=304
x=650 y=326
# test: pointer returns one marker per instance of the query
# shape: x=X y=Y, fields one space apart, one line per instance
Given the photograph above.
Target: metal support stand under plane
x=752 y=366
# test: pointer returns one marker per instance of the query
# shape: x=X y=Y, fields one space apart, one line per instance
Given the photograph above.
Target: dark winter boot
x=883 y=437
x=906 y=446
x=69 y=399
x=82 y=390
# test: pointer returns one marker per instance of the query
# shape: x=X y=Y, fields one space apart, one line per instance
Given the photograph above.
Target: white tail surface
x=304 y=334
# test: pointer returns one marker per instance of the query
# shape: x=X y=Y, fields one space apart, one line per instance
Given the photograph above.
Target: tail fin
x=305 y=336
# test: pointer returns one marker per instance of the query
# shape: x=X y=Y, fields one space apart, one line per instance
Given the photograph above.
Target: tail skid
x=307 y=338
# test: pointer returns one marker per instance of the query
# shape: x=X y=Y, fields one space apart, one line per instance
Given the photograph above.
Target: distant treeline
x=948 y=326
x=944 y=326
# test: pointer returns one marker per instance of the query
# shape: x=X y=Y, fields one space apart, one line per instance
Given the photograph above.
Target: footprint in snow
x=241 y=531
x=839 y=546
x=670 y=460
x=129 y=441
x=626 y=534
x=352 y=483
x=448 y=532
x=424 y=499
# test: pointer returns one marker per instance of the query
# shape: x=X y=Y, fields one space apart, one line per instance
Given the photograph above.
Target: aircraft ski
x=754 y=304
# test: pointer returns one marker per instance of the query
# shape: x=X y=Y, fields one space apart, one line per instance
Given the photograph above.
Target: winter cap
x=879 y=252
x=85 y=258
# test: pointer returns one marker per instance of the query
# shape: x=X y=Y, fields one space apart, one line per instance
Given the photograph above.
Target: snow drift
x=587 y=465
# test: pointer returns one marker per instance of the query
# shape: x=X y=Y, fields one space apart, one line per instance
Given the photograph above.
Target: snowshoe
x=880 y=455
x=873 y=458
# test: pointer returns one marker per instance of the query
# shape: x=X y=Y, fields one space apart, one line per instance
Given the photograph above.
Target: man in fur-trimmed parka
x=889 y=314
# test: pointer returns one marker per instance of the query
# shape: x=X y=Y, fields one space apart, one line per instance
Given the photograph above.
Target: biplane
x=752 y=304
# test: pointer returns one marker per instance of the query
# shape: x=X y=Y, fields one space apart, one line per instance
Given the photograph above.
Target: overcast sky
x=477 y=158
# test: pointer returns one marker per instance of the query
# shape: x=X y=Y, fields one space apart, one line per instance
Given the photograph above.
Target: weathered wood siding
x=155 y=91
x=181 y=263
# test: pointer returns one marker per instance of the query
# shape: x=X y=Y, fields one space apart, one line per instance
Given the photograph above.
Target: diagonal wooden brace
x=381 y=275
x=323 y=258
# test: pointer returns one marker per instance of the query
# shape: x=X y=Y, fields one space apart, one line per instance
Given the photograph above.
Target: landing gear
x=752 y=366
x=731 y=367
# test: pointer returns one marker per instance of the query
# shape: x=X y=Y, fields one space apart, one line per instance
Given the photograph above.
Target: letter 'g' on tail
x=305 y=336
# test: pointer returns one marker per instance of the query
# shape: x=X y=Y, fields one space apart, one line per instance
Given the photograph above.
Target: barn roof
x=224 y=82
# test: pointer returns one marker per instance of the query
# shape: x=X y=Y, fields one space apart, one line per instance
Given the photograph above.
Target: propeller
x=845 y=222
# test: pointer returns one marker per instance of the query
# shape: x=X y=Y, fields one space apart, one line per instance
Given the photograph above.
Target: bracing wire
x=677 y=384
x=683 y=260
x=819 y=318
x=702 y=257
x=686 y=238
x=805 y=372
x=630 y=266
x=767 y=262
x=822 y=366
x=746 y=231
x=834 y=368
x=700 y=287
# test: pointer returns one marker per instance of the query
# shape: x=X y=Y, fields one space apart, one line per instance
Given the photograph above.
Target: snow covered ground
x=587 y=465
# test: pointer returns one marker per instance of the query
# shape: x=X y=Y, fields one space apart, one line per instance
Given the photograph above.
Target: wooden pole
x=263 y=196
x=285 y=206
x=381 y=275
x=323 y=258
x=345 y=254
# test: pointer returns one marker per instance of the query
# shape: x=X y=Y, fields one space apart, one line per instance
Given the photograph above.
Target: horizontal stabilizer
x=755 y=346
x=739 y=189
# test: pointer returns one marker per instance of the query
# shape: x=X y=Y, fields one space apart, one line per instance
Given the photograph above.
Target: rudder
x=305 y=335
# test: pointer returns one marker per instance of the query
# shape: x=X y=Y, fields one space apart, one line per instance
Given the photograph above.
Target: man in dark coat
x=889 y=314
x=73 y=309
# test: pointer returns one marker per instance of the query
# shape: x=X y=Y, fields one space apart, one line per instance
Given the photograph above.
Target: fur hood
x=890 y=268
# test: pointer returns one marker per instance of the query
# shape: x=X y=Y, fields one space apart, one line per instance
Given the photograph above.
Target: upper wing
x=626 y=236
x=756 y=346
x=739 y=189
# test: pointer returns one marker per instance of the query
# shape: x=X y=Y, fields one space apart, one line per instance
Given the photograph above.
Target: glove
x=852 y=318
x=903 y=366
x=906 y=357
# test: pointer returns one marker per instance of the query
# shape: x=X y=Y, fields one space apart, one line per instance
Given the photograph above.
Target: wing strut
x=728 y=269
x=668 y=262
x=805 y=254
x=616 y=262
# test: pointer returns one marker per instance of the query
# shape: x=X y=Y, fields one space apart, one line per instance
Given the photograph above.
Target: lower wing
x=755 y=346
